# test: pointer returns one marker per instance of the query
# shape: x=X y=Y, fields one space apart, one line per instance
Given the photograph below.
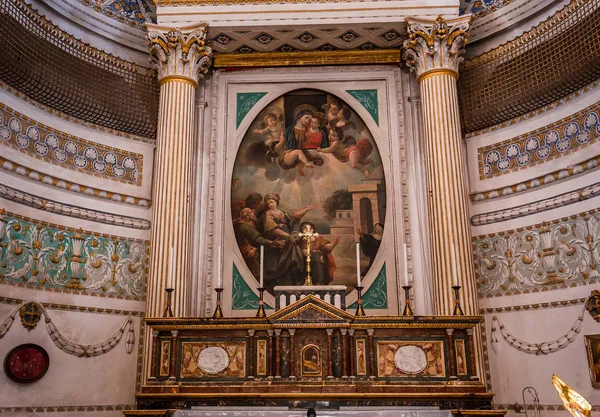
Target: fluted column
x=182 y=59
x=434 y=51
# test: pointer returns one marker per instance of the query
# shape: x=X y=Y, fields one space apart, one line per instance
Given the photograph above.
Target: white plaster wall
x=108 y=379
x=511 y=370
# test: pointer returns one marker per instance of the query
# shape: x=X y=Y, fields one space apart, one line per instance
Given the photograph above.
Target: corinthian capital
x=180 y=53
x=434 y=46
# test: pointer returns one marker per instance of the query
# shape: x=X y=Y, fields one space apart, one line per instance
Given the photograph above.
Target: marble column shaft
x=434 y=51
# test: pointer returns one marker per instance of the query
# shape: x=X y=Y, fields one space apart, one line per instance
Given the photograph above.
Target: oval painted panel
x=308 y=158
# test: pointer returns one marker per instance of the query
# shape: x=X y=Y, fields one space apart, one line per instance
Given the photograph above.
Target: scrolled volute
x=180 y=52
x=435 y=45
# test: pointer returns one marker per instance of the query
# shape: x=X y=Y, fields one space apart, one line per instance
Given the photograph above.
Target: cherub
x=337 y=144
x=273 y=129
x=357 y=156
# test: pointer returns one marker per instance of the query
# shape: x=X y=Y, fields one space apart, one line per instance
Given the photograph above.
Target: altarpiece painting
x=308 y=160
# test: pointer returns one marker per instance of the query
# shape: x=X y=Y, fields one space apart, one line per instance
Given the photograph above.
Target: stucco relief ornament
x=180 y=52
x=437 y=45
x=593 y=305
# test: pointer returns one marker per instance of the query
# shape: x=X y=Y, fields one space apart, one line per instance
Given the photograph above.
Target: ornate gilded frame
x=592 y=347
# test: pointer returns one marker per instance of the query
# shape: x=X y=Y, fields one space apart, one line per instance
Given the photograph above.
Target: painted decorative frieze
x=50 y=145
x=49 y=180
x=570 y=171
x=480 y=8
x=132 y=12
x=552 y=255
x=52 y=206
x=553 y=141
x=39 y=255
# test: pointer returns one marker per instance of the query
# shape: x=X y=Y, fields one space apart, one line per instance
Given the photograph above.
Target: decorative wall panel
x=53 y=146
x=410 y=358
x=213 y=359
x=553 y=255
x=45 y=256
x=550 y=142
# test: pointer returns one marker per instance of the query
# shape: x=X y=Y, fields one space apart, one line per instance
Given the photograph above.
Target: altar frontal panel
x=213 y=360
x=411 y=359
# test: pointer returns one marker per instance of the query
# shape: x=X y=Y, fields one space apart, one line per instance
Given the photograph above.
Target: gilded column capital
x=180 y=53
x=435 y=46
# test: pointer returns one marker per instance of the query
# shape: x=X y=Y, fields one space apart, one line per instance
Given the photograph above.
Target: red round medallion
x=26 y=363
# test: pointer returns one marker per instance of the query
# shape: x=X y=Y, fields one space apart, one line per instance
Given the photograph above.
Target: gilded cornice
x=435 y=45
x=281 y=59
x=180 y=52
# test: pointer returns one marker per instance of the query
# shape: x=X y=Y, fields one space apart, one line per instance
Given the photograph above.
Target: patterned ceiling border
x=77 y=212
x=552 y=255
x=552 y=141
x=535 y=306
x=561 y=200
x=76 y=308
x=131 y=12
x=31 y=174
x=571 y=171
x=73 y=119
x=71 y=152
x=44 y=256
x=363 y=38
x=529 y=115
x=480 y=8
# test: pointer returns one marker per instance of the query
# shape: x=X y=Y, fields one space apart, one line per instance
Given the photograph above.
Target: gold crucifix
x=309 y=235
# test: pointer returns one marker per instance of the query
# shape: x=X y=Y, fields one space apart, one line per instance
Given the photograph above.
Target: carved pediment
x=311 y=310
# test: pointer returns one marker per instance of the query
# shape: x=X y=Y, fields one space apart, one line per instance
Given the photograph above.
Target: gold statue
x=309 y=235
x=572 y=400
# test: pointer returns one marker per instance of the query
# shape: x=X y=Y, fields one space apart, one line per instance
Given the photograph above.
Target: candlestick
x=359 y=308
x=261 y=303
x=407 y=309
x=218 y=312
x=405 y=265
x=168 y=312
x=219 y=283
x=457 y=309
x=262 y=266
x=170 y=273
x=454 y=269
x=358 y=266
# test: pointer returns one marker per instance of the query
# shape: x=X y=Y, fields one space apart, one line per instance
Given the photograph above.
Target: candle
x=219 y=283
x=358 y=264
x=405 y=265
x=170 y=273
x=454 y=269
x=262 y=266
